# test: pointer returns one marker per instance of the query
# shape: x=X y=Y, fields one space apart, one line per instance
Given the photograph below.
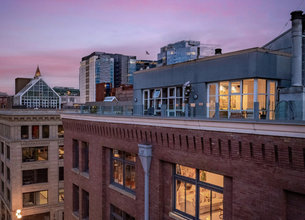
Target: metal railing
x=284 y=111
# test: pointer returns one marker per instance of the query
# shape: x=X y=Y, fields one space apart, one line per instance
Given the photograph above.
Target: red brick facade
x=264 y=176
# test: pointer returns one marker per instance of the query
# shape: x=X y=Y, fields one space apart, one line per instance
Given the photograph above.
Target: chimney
x=296 y=62
x=218 y=51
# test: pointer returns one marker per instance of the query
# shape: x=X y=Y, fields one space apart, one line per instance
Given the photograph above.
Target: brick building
x=32 y=153
x=199 y=168
x=222 y=137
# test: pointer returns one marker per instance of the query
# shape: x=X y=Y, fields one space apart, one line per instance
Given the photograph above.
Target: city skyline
x=55 y=35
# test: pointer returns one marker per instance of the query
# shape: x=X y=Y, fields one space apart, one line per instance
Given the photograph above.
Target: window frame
x=36 y=176
x=47 y=135
x=245 y=114
x=198 y=184
x=124 y=162
x=24 y=136
x=35 y=201
x=154 y=98
x=35 y=154
x=114 y=216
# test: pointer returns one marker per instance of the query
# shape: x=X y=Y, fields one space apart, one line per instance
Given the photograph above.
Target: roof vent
x=218 y=51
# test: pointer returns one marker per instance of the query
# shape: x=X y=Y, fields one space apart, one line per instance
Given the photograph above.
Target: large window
x=85 y=205
x=198 y=193
x=75 y=200
x=35 y=198
x=85 y=157
x=35 y=131
x=75 y=152
x=236 y=98
x=8 y=152
x=8 y=174
x=45 y=131
x=34 y=176
x=60 y=173
x=8 y=194
x=61 y=152
x=172 y=97
x=60 y=131
x=24 y=132
x=30 y=154
x=124 y=170
x=61 y=195
x=118 y=214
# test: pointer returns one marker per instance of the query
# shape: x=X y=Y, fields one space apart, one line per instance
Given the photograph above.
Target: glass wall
x=198 y=193
x=172 y=97
x=40 y=96
x=236 y=98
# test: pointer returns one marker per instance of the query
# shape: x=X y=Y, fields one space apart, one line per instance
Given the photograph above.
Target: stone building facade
x=32 y=153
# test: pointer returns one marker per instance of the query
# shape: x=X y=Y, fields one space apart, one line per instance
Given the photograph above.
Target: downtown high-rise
x=99 y=67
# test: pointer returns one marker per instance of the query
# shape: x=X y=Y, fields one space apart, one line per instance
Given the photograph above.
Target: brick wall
x=259 y=170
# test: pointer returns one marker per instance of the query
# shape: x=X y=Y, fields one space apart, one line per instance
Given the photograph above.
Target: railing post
x=256 y=111
x=186 y=110
x=163 y=110
x=216 y=110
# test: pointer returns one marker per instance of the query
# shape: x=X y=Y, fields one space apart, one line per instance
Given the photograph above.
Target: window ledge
x=122 y=191
x=85 y=174
x=75 y=215
x=177 y=216
x=75 y=170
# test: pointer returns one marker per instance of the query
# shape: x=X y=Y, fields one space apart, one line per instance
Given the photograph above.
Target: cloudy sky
x=55 y=34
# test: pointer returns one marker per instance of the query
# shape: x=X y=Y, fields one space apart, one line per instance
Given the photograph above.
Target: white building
x=37 y=94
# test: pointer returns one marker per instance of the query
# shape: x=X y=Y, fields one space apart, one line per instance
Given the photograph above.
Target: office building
x=6 y=101
x=32 y=174
x=35 y=93
x=100 y=67
x=69 y=96
x=179 y=52
x=145 y=64
x=227 y=153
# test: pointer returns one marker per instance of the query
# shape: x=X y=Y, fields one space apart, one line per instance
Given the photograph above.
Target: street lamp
x=18 y=214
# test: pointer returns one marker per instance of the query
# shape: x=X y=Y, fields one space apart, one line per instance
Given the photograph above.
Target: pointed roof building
x=37 y=94
x=37 y=74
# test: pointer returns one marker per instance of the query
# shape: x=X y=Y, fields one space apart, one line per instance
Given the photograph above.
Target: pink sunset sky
x=56 y=34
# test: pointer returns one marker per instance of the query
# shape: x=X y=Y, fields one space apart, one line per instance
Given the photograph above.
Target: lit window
x=60 y=131
x=236 y=98
x=124 y=170
x=61 y=195
x=61 y=152
x=198 y=193
x=35 y=198
x=30 y=154
x=35 y=131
